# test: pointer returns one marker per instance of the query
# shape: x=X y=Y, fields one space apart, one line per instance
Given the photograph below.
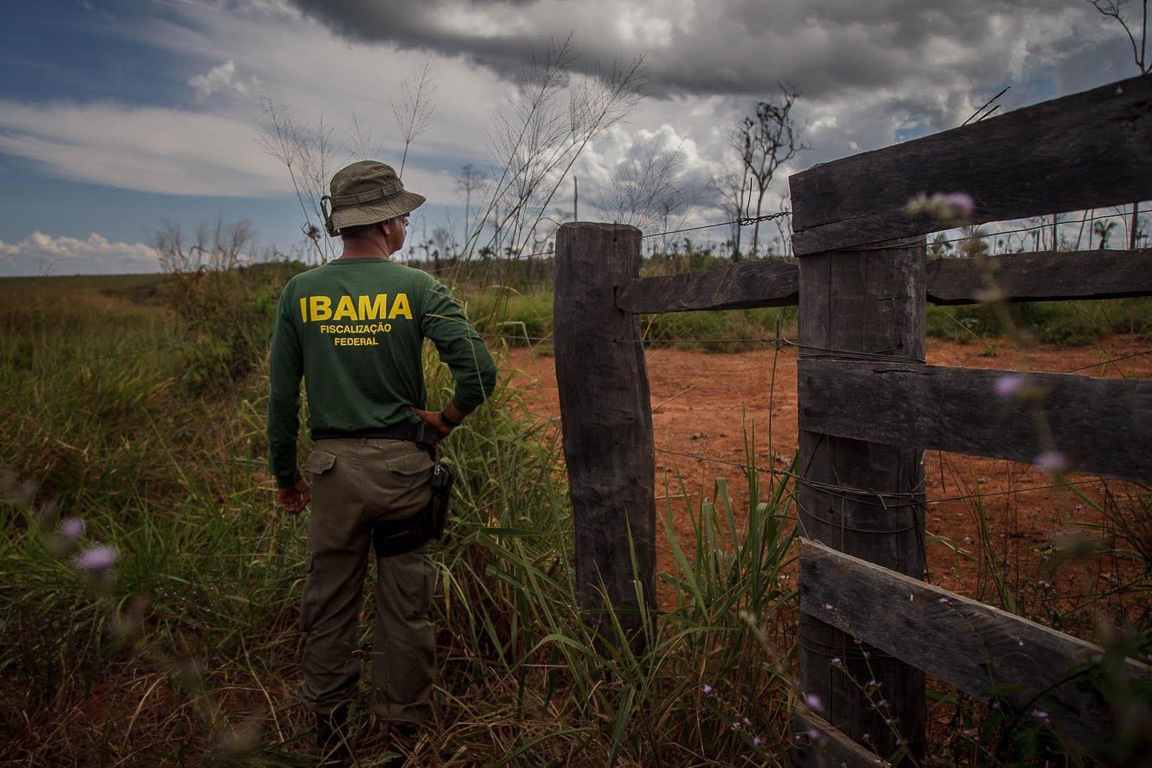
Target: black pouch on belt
x=398 y=537
x=442 y=479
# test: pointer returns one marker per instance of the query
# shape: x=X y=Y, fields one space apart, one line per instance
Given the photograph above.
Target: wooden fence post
x=852 y=304
x=606 y=416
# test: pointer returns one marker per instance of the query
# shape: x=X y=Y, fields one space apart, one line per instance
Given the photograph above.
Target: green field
x=137 y=404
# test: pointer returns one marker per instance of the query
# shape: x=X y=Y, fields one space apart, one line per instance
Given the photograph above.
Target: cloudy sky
x=116 y=115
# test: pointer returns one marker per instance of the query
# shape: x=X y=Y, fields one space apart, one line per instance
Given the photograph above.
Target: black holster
x=398 y=537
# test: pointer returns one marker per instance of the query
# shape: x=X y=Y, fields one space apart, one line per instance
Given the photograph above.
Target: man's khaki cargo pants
x=355 y=482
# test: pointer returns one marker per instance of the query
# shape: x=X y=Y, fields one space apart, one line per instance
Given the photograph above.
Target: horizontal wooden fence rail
x=741 y=286
x=979 y=649
x=1082 y=151
x=1103 y=426
x=832 y=749
x=1045 y=276
x=1040 y=276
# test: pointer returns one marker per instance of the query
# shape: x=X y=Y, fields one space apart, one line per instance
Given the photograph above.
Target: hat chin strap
x=326 y=210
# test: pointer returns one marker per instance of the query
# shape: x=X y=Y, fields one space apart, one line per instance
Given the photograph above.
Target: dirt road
x=705 y=403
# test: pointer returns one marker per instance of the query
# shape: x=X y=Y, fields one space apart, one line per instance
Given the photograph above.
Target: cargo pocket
x=320 y=462
x=415 y=578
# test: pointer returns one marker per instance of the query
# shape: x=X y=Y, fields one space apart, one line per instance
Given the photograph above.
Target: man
x=354 y=329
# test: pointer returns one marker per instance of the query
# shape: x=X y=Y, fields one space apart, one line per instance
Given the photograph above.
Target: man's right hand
x=434 y=420
x=294 y=498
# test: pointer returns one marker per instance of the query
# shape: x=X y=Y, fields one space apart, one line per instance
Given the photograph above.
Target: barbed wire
x=882 y=355
x=853 y=494
x=747 y=221
x=1109 y=361
x=743 y=221
x=887 y=244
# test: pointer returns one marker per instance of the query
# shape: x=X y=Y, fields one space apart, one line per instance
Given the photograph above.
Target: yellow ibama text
x=359 y=309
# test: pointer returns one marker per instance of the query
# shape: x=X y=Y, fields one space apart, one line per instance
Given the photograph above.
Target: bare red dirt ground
x=703 y=403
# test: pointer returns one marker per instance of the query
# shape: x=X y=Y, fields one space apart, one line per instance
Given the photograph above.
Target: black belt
x=418 y=432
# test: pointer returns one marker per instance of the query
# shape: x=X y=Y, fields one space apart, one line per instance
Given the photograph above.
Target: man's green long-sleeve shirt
x=354 y=329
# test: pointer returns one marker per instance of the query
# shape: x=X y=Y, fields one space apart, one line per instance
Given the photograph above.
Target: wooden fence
x=869 y=406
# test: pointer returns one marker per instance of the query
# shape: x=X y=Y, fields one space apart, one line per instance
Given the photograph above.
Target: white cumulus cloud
x=41 y=254
x=149 y=149
x=222 y=77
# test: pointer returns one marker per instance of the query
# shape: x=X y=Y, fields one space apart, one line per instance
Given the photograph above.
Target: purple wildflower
x=960 y=204
x=813 y=702
x=71 y=529
x=96 y=558
x=756 y=741
x=836 y=662
x=814 y=735
x=955 y=207
x=1052 y=462
x=1042 y=716
x=706 y=689
x=1009 y=386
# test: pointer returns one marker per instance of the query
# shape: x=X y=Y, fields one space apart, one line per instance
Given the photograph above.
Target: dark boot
x=332 y=738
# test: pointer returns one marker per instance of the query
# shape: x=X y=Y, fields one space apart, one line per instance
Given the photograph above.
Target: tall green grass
x=190 y=653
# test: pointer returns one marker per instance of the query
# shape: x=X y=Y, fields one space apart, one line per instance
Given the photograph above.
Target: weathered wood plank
x=1045 y=276
x=741 y=286
x=1082 y=151
x=1103 y=426
x=1041 y=276
x=830 y=748
x=862 y=303
x=979 y=649
x=606 y=417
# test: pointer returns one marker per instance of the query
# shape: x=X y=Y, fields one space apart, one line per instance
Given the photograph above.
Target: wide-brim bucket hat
x=366 y=192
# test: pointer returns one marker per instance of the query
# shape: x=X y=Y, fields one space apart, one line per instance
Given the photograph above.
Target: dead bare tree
x=784 y=225
x=470 y=181
x=765 y=142
x=306 y=151
x=642 y=186
x=216 y=246
x=734 y=189
x=1118 y=10
x=415 y=110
